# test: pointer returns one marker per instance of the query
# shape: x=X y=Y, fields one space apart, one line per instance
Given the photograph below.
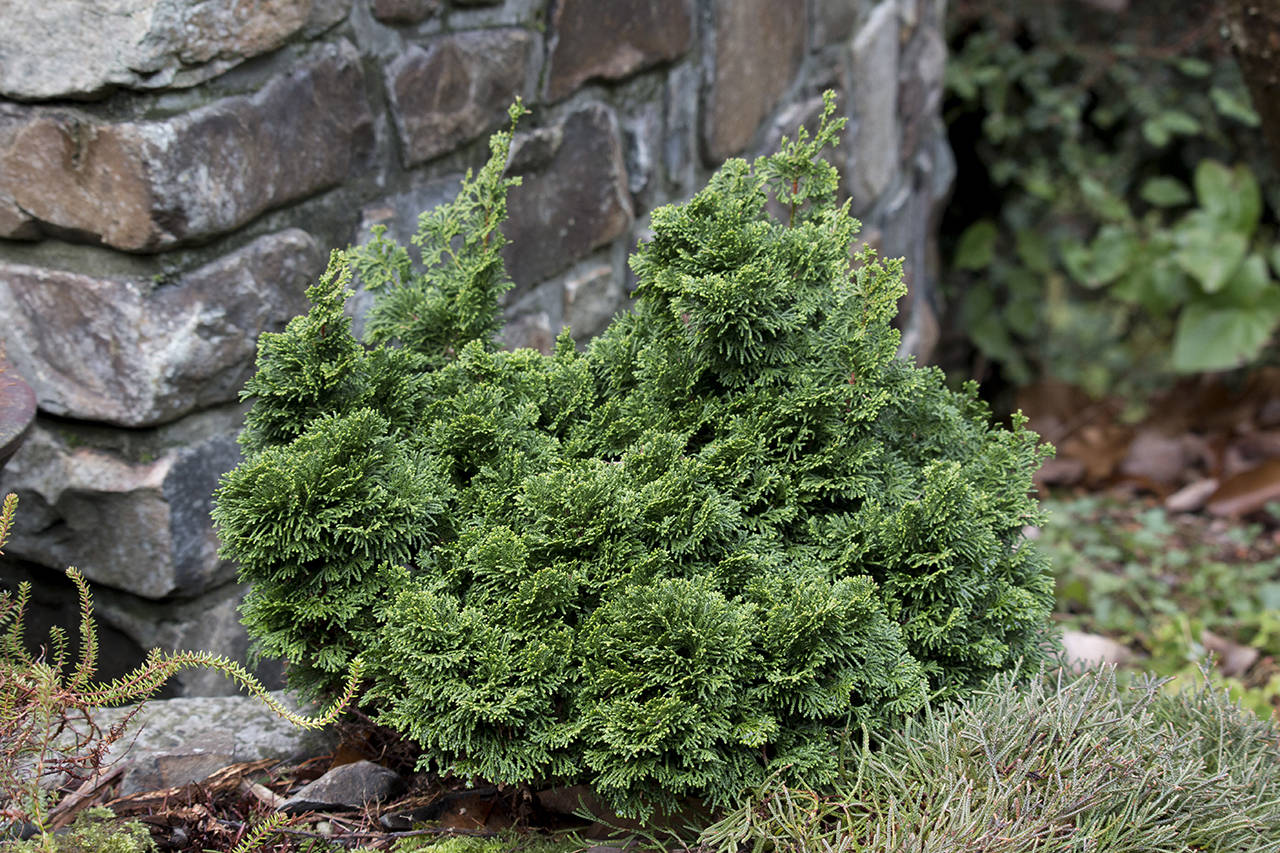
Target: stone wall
x=174 y=172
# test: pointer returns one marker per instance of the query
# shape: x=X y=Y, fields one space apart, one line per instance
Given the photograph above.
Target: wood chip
x=1192 y=496
x=81 y=798
x=223 y=781
x=262 y=793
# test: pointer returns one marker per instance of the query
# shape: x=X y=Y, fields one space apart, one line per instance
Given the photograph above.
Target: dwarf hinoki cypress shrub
x=669 y=565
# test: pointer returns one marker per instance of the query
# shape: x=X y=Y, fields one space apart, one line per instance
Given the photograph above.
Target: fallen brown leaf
x=1248 y=491
x=1234 y=659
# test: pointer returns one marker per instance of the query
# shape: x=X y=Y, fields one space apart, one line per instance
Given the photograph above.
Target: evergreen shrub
x=671 y=565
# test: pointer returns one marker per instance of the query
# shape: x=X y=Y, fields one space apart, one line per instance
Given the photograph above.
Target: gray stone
x=834 y=20
x=17 y=409
x=456 y=88
x=141 y=44
x=173 y=742
x=143 y=186
x=481 y=14
x=348 y=786
x=905 y=223
x=940 y=169
x=399 y=212
x=758 y=48
x=404 y=11
x=641 y=134
x=209 y=622
x=138 y=353
x=908 y=14
x=530 y=331
x=680 y=131
x=591 y=297
x=574 y=196
x=325 y=14
x=874 y=101
x=134 y=516
x=922 y=332
x=16 y=223
x=534 y=320
x=613 y=39
x=920 y=92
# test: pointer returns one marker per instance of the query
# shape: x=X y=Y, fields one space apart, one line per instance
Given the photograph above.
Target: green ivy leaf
x=1179 y=123
x=988 y=332
x=1104 y=260
x=1229 y=195
x=1154 y=283
x=1234 y=105
x=1210 y=338
x=1155 y=133
x=1209 y=255
x=1112 y=250
x=1026 y=298
x=1102 y=201
x=1249 y=285
x=1193 y=67
x=1275 y=258
x=1075 y=257
x=976 y=248
x=1033 y=250
x=1165 y=192
x=960 y=80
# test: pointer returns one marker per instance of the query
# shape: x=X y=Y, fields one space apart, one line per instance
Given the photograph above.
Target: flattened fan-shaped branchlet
x=673 y=564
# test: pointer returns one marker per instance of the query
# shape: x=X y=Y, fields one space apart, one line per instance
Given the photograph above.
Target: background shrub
x=1113 y=197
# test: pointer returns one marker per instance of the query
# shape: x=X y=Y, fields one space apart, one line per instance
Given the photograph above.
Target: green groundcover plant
x=1067 y=761
x=1117 y=197
x=676 y=564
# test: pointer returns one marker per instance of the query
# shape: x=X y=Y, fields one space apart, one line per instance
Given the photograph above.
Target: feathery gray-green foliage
x=674 y=564
x=1057 y=764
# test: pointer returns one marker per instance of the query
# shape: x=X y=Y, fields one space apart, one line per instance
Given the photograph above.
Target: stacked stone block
x=174 y=172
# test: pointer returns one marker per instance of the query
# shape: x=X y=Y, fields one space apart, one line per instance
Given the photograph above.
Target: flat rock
x=574 y=197
x=172 y=742
x=148 y=185
x=403 y=11
x=613 y=39
x=142 y=44
x=758 y=48
x=456 y=88
x=139 y=352
x=348 y=786
x=1094 y=649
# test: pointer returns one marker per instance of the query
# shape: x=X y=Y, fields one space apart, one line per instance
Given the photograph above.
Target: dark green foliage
x=673 y=564
x=455 y=299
